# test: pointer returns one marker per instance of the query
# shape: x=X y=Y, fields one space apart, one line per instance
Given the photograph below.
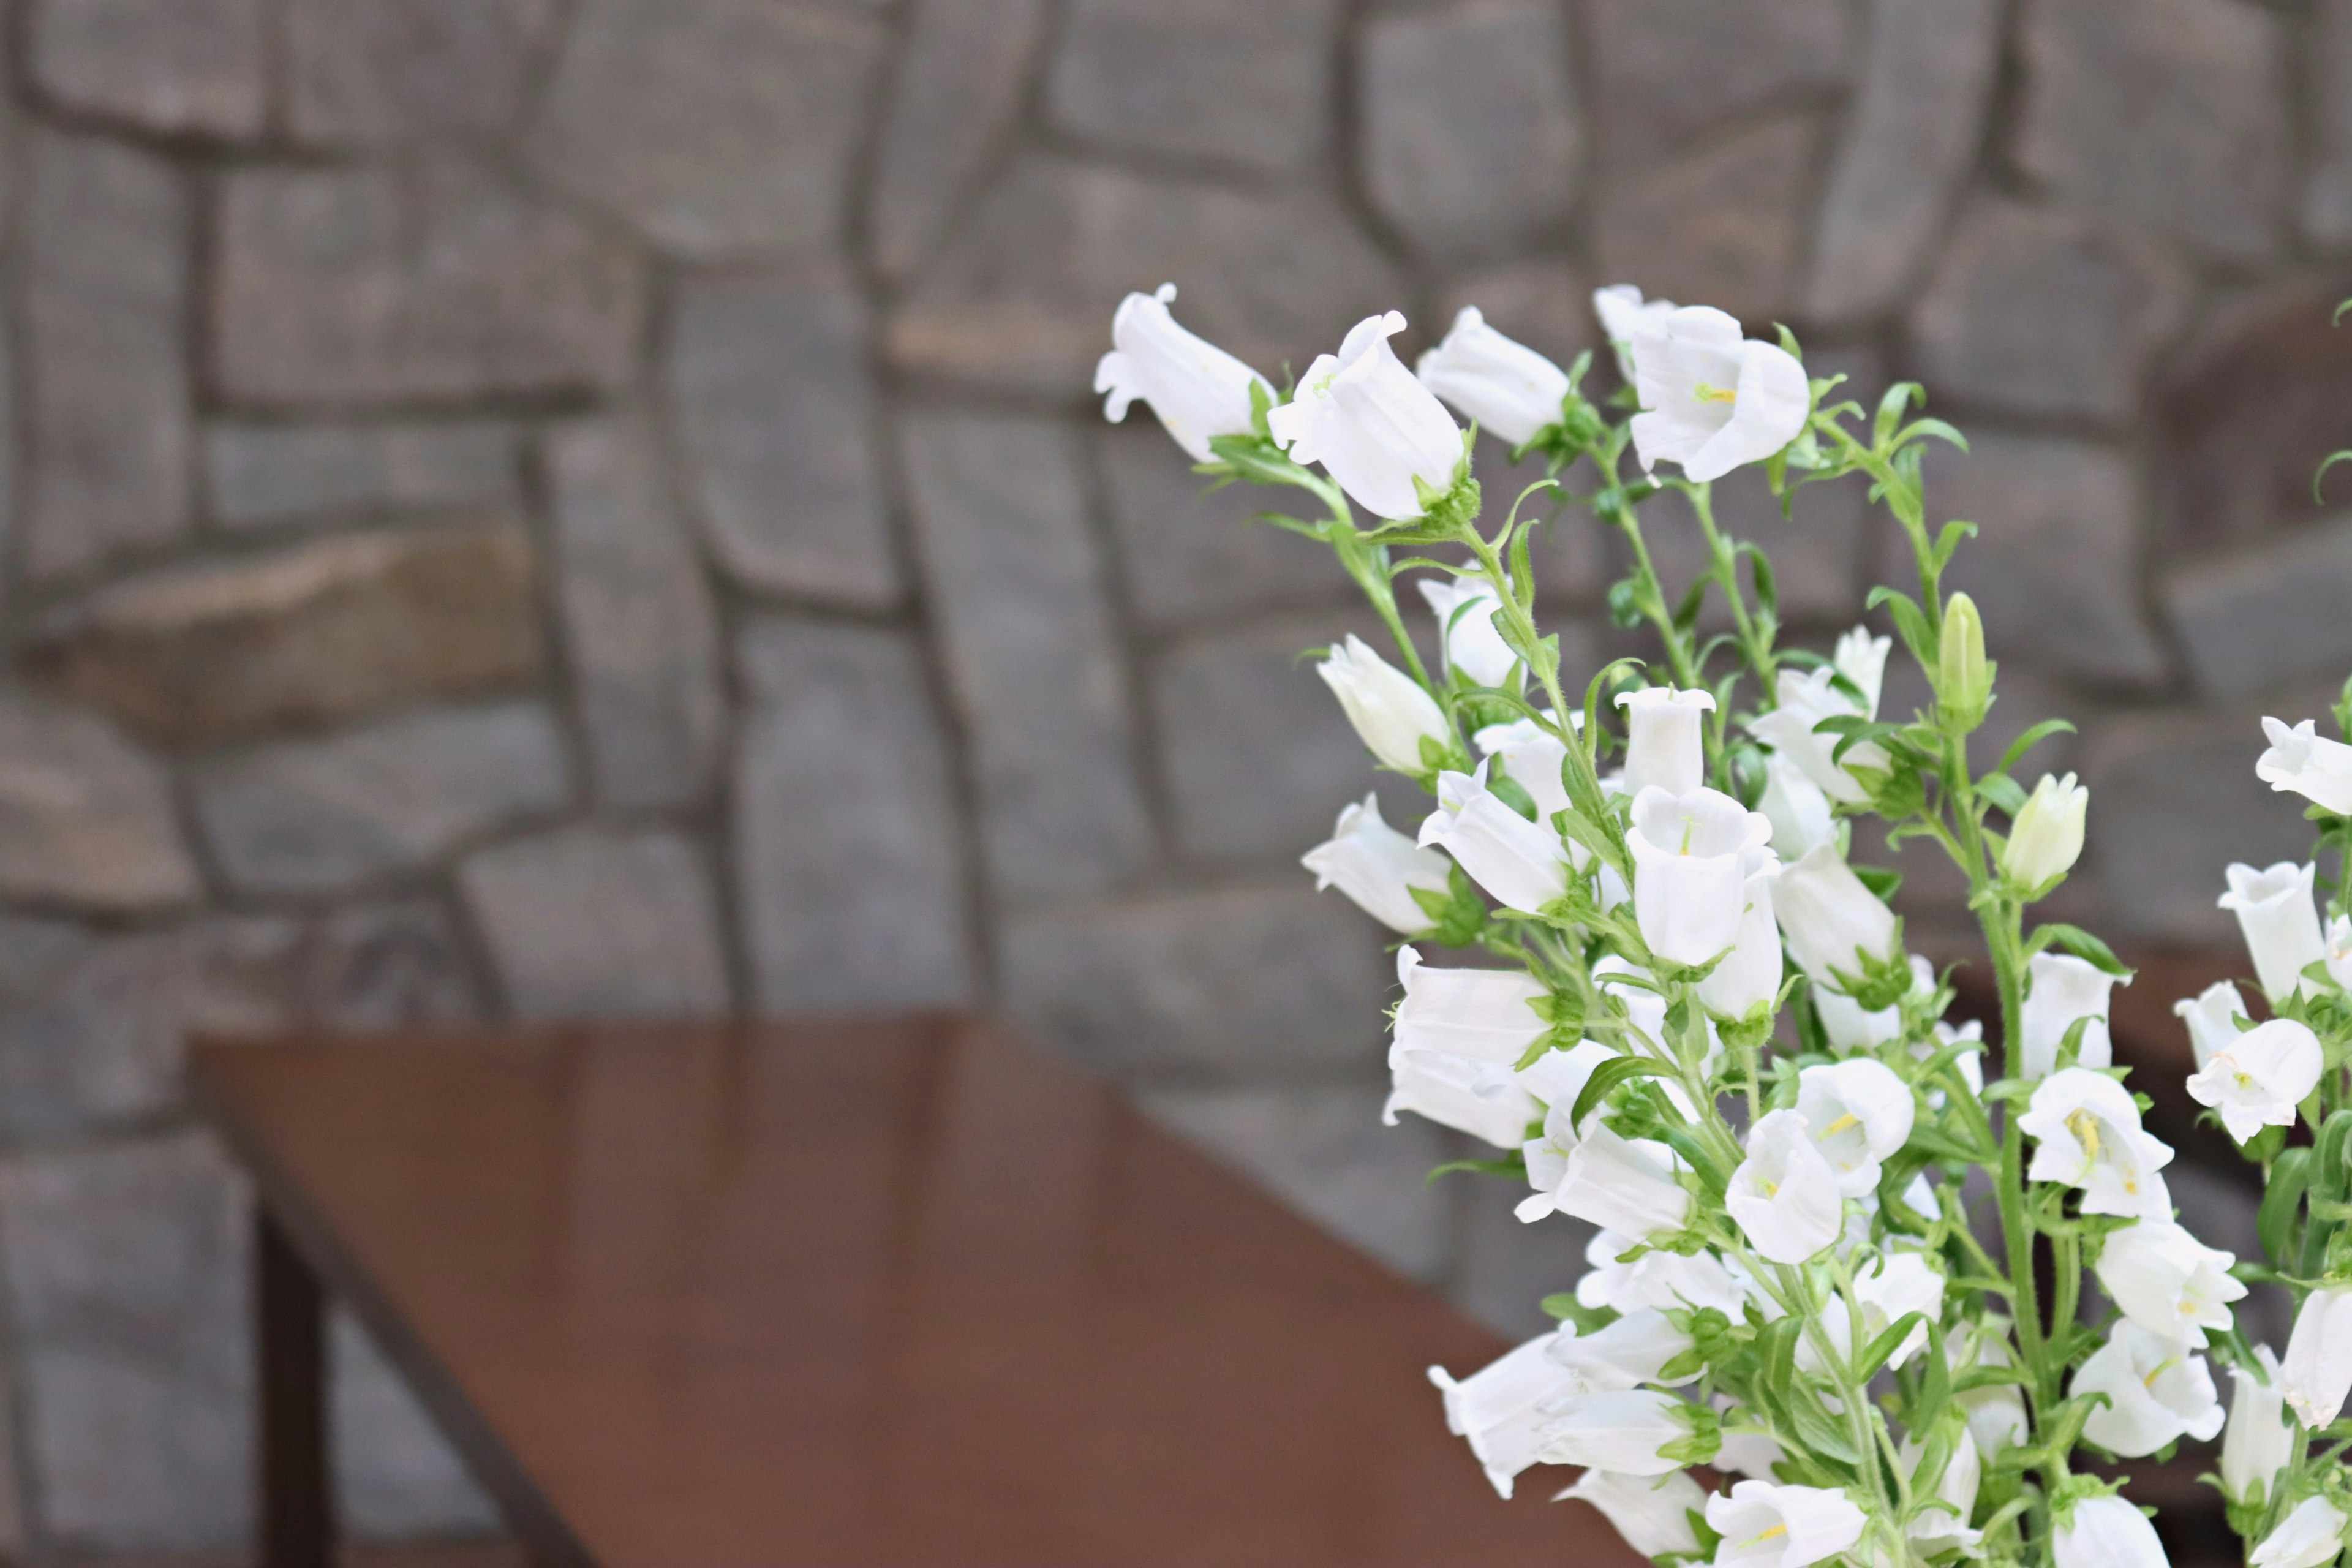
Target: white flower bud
x=1197 y=388
x=1623 y=1430
x=1486 y=1014
x=2212 y=1017
x=1496 y=1407
x=2310 y=1537
x=2317 y=1372
x=1523 y=866
x=1392 y=713
x=2046 y=838
x=1627 y=1354
x=1372 y=426
x=1508 y=387
x=2106 y=1532
x=1711 y=400
x=1377 y=867
x=2280 y=921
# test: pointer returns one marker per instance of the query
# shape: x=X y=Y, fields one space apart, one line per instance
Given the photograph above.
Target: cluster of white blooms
x=1638 y=960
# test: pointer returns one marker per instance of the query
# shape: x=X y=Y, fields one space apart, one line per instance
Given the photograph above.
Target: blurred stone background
x=542 y=509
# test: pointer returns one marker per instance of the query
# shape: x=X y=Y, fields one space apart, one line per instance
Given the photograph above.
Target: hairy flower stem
x=1755 y=643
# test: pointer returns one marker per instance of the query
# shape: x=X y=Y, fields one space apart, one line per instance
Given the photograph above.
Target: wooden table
x=900 y=1293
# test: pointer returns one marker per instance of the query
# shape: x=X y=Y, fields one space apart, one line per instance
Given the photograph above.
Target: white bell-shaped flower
x=2212 y=1017
x=1623 y=1184
x=1626 y=1354
x=1497 y=1408
x=2310 y=1537
x=1803 y=699
x=2258 y=1439
x=1377 y=867
x=1784 y=1196
x=1799 y=813
x=2258 y=1079
x=2280 y=923
x=1522 y=864
x=2106 y=1532
x=1942 y=1530
x=1665 y=739
x=1749 y=975
x=1624 y=316
x=1374 y=428
x=2061 y=988
x=1766 y=1525
x=1392 y=713
x=1487 y=1101
x=1623 y=1430
x=1689 y=870
x=2317 y=1372
x=1464 y=608
x=1832 y=921
x=1652 y=1512
x=1508 y=387
x=1890 y=1288
x=1859 y=1114
x=1712 y=400
x=1196 y=388
x=2168 y=1281
x=1534 y=757
x=2088 y=1134
x=1558 y=1078
x=1486 y=1014
x=1657 y=1279
x=2158 y=1390
x=2305 y=763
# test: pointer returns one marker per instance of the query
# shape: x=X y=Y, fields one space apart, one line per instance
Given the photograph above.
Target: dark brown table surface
x=901 y=1293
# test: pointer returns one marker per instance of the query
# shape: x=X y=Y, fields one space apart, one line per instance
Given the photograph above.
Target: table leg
x=298 y=1526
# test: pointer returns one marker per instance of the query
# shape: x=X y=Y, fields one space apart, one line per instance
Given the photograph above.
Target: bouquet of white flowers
x=1695 y=1023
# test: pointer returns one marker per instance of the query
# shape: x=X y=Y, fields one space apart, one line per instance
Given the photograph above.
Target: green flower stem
x=1756 y=644
x=1620 y=512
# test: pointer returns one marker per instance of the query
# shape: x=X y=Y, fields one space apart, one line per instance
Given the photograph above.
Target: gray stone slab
x=2267 y=614
x=848 y=875
x=596 y=922
x=1905 y=152
x=1668 y=69
x=2055 y=568
x=86 y=818
x=1718 y=227
x=718 y=128
x=1243 y=80
x=1016 y=585
x=1020 y=295
x=1817 y=551
x=2169 y=113
x=375 y=73
x=1239 y=982
x=1471 y=143
x=637 y=618
x=954 y=103
x=314 y=815
x=397 y=1477
x=1321 y=1149
x=1259 y=757
x=105 y=323
x=167 y=66
x=2040 y=311
x=1508 y=1267
x=2326 y=61
x=313 y=633
x=269 y=476
x=430 y=280
x=769 y=388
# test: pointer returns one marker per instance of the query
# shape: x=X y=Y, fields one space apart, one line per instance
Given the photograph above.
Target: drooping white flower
x=1626 y=1354
x=1832 y=921
x=1664 y=743
x=1623 y=1430
x=1196 y=388
x=1689 y=871
x=2258 y=1079
x=2259 y=1439
x=1525 y=867
x=1712 y=400
x=2046 y=838
x=2158 y=1390
x=1784 y=1196
x=1505 y=386
x=1651 y=1513
x=2212 y=1017
x=1377 y=867
x=1859 y=1114
x=1622 y=1184
x=1656 y=1280
x=2317 y=1372
x=1496 y=1407
x=2309 y=764
x=1486 y=1014
x=1392 y=713
x=1626 y=315
x=1464 y=608
x=2280 y=923
x=1936 y=1530
x=2061 y=989
x=1487 y=1101
x=1750 y=974
x=2168 y=1281
x=1765 y=1525
x=2310 y=1537
x=2106 y=1532
x=2088 y=1134
x=1803 y=699
x=1893 y=1286
x=1995 y=1413
x=1558 y=1078
x=1373 y=427
x=1798 y=811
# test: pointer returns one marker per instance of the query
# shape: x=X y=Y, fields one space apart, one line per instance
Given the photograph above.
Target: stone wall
x=528 y=508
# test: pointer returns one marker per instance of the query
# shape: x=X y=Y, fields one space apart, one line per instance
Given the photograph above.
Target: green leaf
x=1948 y=540
x=2085 y=946
x=2282 y=1197
x=2004 y=792
x=1891 y=409
x=1880 y=879
x=1513 y=1166
x=1921 y=429
x=1607 y=1077
x=2330 y=461
x=1625 y=603
x=1910 y=622
x=2030 y=739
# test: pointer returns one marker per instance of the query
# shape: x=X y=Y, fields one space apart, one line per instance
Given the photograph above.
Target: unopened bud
x=1963 y=679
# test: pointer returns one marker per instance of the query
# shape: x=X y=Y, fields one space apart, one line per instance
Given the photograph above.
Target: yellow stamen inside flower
x=1842 y=1123
x=2085 y=1129
x=1707 y=394
x=1766 y=1533
x=1684 y=848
